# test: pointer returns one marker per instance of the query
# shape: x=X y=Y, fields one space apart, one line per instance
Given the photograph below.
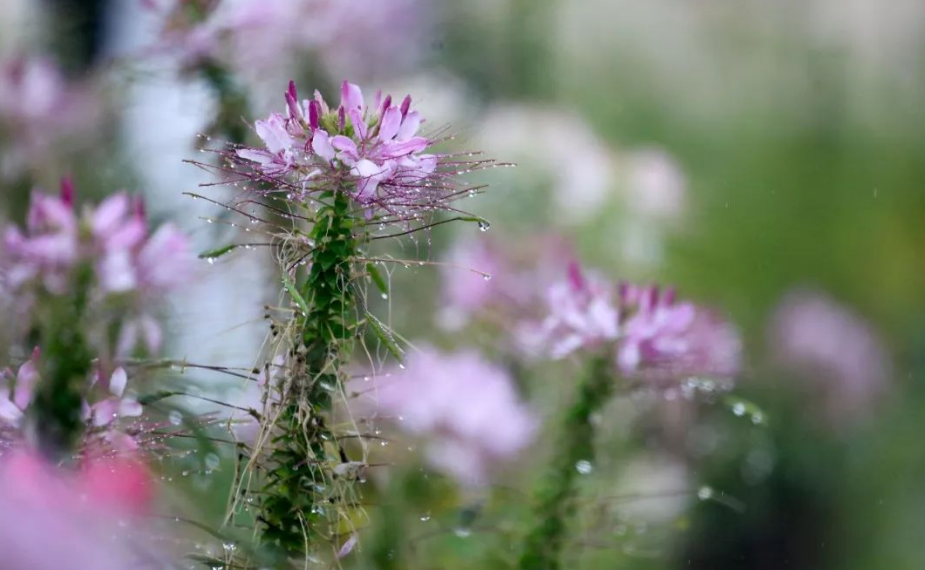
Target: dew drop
x=175 y=417
x=584 y=467
x=705 y=493
x=212 y=461
x=483 y=225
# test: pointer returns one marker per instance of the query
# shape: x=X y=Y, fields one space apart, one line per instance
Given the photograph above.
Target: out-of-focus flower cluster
x=87 y=519
x=127 y=266
x=257 y=36
x=106 y=401
x=655 y=336
x=843 y=361
x=467 y=407
x=39 y=108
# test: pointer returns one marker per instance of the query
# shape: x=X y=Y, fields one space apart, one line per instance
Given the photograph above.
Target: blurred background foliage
x=800 y=132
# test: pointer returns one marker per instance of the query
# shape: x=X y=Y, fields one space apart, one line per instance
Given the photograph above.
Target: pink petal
x=389 y=124
x=321 y=145
x=350 y=96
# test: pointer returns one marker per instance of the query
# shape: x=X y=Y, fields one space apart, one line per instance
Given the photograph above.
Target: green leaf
x=377 y=278
x=294 y=293
x=384 y=336
x=213 y=253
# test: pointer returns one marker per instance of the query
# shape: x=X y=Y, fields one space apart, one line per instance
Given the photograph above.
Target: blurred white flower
x=556 y=147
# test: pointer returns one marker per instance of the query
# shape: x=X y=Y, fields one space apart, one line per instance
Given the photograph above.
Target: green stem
x=66 y=363
x=543 y=545
x=295 y=495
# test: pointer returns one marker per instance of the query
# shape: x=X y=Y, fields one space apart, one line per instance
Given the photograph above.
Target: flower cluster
x=262 y=35
x=38 y=107
x=373 y=152
x=113 y=239
x=467 y=407
x=105 y=402
x=655 y=336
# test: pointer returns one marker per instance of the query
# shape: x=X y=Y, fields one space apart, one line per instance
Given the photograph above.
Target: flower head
x=48 y=248
x=662 y=336
x=112 y=241
x=653 y=335
x=466 y=407
x=373 y=151
x=582 y=314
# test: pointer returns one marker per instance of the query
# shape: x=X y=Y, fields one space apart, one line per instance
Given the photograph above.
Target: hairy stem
x=554 y=504
x=297 y=494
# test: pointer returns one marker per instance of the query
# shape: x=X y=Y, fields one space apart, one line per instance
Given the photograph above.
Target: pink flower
x=377 y=145
x=117 y=404
x=844 y=362
x=16 y=393
x=117 y=243
x=128 y=258
x=465 y=288
x=466 y=407
x=38 y=108
x=52 y=517
x=582 y=314
x=49 y=247
x=662 y=337
x=651 y=334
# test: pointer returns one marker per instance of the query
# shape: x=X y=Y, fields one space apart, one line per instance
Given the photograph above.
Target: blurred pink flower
x=663 y=337
x=127 y=258
x=836 y=350
x=16 y=391
x=116 y=405
x=360 y=36
x=466 y=407
x=498 y=280
x=38 y=107
x=465 y=288
x=49 y=247
x=653 y=336
x=114 y=239
x=582 y=315
x=53 y=519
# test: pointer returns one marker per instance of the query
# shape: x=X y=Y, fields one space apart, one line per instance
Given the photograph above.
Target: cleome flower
x=652 y=335
x=128 y=265
x=582 y=314
x=663 y=338
x=374 y=152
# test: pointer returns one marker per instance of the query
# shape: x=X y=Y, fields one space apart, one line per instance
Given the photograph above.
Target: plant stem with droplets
x=296 y=493
x=574 y=453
